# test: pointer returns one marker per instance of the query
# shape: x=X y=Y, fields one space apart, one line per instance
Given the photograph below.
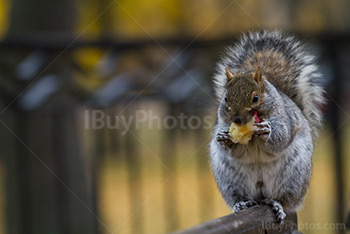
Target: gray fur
x=299 y=82
x=278 y=167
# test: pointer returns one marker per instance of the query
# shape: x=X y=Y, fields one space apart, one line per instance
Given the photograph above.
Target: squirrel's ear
x=228 y=75
x=257 y=75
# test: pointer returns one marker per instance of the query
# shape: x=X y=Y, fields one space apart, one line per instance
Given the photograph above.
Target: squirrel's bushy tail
x=285 y=62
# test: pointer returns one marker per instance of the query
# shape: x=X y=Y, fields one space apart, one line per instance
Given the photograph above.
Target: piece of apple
x=242 y=133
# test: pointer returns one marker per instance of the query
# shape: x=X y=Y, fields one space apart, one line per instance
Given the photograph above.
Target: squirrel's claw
x=263 y=130
x=223 y=138
x=243 y=205
x=276 y=208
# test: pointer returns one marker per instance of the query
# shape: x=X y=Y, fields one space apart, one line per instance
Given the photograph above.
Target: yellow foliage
x=4 y=10
x=139 y=18
x=87 y=59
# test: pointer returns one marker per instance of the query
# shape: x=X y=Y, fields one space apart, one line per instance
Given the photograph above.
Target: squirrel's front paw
x=264 y=130
x=224 y=138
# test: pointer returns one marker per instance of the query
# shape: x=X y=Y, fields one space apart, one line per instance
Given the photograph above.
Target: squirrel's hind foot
x=243 y=205
x=276 y=208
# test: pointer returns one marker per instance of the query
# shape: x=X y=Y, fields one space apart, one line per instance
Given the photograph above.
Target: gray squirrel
x=269 y=76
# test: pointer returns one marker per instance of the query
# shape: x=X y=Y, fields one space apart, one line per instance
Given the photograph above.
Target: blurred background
x=93 y=93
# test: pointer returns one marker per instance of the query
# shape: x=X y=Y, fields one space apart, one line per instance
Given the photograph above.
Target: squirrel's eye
x=255 y=98
x=225 y=99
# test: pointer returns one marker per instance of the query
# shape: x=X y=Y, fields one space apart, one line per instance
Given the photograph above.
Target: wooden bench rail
x=258 y=219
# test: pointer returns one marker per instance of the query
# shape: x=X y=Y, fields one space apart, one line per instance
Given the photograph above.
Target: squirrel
x=272 y=77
